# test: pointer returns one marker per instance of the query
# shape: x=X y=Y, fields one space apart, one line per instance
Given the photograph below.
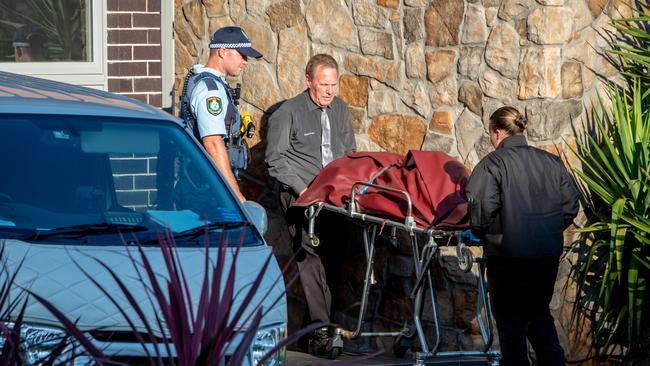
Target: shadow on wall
x=257 y=185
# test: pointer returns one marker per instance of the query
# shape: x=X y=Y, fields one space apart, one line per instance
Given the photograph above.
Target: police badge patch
x=214 y=105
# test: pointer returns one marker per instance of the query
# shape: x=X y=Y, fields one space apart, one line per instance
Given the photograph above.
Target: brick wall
x=135 y=181
x=134 y=49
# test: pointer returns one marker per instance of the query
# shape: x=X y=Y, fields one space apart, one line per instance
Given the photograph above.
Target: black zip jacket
x=521 y=199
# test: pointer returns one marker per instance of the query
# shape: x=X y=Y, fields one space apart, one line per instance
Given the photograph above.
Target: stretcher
x=421 y=195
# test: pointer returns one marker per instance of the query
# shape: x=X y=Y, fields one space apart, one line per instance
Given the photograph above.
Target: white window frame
x=167 y=51
x=92 y=74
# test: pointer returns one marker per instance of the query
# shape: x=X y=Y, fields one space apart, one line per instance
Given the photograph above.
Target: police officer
x=29 y=43
x=208 y=100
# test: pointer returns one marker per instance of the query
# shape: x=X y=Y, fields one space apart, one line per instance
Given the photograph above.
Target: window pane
x=45 y=31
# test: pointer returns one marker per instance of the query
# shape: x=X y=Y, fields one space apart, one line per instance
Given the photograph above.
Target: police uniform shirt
x=209 y=106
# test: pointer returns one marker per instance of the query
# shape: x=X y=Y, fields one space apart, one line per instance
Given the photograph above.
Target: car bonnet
x=56 y=272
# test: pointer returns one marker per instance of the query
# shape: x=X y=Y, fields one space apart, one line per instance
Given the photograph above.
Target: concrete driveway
x=296 y=358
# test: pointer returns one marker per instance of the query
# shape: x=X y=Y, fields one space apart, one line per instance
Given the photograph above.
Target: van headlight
x=37 y=342
x=265 y=340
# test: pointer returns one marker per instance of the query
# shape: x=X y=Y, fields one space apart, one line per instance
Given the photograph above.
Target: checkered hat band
x=230 y=45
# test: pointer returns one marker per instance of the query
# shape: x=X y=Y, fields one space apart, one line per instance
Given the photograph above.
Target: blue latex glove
x=467 y=235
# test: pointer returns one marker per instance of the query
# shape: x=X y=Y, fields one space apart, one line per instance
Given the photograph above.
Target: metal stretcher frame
x=422 y=258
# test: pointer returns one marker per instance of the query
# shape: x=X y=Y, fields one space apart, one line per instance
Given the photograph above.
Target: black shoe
x=318 y=341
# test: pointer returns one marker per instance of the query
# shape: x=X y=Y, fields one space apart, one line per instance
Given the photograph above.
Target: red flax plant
x=193 y=334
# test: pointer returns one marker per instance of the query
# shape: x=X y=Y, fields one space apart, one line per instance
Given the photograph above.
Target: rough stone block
x=437 y=142
x=255 y=74
x=415 y=61
x=468 y=131
x=214 y=8
x=475 y=29
x=440 y=64
x=539 y=73
x=571 y=80
x=415 y=96
x=338 y=30
x=596 y=6
x=387 y=72
x=376 y=43
x=444 y=92
x=442 y=121
x=381 y=102
x=262 y=38
x=548 y=119
x=397 y=133
x=442 y=21
x=358 y=119
x=502 y=50
x=471 y=96
x=413 y=25
x=354 y=90
x=497 y=86
x=512 y=8
x=293 y=55
x=367 y=13
x=469 y=61
x=195 y=16
x=551 y=25
x=284 y=14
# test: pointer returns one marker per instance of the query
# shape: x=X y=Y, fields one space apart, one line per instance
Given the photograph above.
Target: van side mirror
x=257 y=213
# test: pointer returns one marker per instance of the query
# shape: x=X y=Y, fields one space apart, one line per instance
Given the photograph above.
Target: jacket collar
x=199 y=68
x=513 y=140
x=310 y=103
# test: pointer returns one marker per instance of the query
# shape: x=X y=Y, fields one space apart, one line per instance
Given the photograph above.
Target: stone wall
x=417 y=74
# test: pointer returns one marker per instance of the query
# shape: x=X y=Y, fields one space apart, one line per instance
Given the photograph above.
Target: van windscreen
x=61 y=172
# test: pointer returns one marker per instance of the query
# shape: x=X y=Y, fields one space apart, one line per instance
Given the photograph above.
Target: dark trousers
x=308 y=258
x=520 y=291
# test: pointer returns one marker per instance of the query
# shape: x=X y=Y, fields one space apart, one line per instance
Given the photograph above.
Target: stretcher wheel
x=334 y=353
x=401 y=344
x=466 y=260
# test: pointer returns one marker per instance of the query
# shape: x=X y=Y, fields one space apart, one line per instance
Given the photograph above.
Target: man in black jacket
x=521 y=199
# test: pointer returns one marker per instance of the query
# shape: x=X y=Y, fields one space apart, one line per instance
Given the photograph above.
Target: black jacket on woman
x=521 y=199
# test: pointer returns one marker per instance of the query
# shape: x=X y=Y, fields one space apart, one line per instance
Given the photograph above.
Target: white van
x=85 y=175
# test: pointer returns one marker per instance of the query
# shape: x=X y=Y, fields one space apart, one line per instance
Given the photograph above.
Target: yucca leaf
x=600 y=226
x=617 y=234
x=642 y=239
x=641 y=223
x=602 y=192
x=634 y=311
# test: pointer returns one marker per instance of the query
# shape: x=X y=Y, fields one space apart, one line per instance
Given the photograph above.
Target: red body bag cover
x=434 y=180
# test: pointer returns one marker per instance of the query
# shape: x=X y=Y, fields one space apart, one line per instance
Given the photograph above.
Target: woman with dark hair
x=521 y=199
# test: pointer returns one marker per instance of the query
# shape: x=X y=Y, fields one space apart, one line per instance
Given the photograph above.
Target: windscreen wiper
x=195 y=232
x=11 y=232
x=80 y=231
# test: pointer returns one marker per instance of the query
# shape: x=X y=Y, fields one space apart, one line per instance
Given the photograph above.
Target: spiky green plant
x=614 y=267
x=632 y=45
x=614 y=264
